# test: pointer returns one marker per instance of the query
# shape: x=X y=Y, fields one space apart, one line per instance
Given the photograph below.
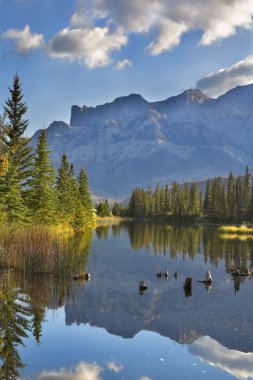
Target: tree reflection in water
x=23 y=303
x=178 y=240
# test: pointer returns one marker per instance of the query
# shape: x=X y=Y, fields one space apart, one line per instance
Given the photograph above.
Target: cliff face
x=131 y=142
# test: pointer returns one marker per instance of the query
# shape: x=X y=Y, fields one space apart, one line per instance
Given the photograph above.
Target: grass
x=236 y=230
x=240 y=237
x=41 y=250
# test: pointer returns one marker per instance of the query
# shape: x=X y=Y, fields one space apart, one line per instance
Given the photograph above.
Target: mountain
x=132 y=142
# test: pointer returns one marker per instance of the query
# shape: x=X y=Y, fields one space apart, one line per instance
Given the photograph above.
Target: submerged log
x=188 y=283
x=208 y=279
x=237 y=271
x=142 y=285
x=82 y=276
x=188 y=287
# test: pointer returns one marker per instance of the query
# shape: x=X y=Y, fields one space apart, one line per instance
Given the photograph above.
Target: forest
x=31 y=192
x=224 y=201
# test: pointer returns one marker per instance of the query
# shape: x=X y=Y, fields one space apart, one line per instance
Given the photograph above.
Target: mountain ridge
x=132 y=142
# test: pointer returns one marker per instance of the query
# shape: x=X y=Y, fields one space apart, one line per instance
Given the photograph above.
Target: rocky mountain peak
x=131 y=142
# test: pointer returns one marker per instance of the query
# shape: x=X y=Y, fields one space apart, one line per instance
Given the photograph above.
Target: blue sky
x=92 y=51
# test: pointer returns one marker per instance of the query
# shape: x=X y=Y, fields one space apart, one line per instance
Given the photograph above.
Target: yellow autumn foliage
x=3 y=164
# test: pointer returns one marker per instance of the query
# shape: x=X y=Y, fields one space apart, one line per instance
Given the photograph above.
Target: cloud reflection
x=83 y=371
x=112 y=366
x=237 y=363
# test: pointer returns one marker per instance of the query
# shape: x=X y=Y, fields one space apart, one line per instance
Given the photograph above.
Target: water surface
x=106 y=329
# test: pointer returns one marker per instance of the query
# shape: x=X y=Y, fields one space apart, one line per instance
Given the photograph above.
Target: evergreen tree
x=239 y=199
x=116 y=209
x=194 y=206
x=167 y=201
x=17 y=153
x=103 y=209
x=247 y=193
x=73 y=192
x=13 y=130
x=42 y=183
x=208 y=200
x=84 y=195
x=63 y=194
x=231 y=198
x=14 y=206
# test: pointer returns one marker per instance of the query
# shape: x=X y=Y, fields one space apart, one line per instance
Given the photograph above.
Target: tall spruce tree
x=84 y=195
x=13 y=130
x=73 y=191
x=62 y=186
x=42 y=185
x=231 y=198
x=208 y=200
x=246 y=194
x=18 y=154
x=239 y=199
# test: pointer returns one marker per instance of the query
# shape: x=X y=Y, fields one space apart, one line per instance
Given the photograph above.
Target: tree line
x=30 y=189
x=231 y=202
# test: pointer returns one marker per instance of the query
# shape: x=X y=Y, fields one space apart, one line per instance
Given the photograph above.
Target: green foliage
x=116 y=209
x=85 y=198
x=14 y=326
x=29 y=191
x=185 y=202
x=13 y=183
x=42 y=183
x=103 y=209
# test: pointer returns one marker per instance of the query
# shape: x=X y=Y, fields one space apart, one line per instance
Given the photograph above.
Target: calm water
x=104 y=329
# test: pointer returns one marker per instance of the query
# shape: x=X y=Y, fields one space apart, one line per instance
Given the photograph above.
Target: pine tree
x=238 y=199
x=14 y=206
x=73 y=192
x=42 y=183
x=194 y=206
x=231 y=198
x=13 y=132
x=17 y=155
x=84 y=194
x=208 y=200
x=116 y=209
x=246 y=193
x=62 y=186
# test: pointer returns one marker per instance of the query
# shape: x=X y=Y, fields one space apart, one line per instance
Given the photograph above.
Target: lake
x=106 y=328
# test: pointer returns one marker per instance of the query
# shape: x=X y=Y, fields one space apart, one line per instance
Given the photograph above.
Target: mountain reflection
x=111 y=299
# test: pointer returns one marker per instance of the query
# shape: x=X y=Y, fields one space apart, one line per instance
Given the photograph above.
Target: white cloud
x=168 y=37
x=85 y=14
x=241 y=73
x=82 y=371
x=25 y=40
x=237 y=363
x=167 y=20
x=120 y=65
x=90 y=46
x=112 y=366
x=145 y=378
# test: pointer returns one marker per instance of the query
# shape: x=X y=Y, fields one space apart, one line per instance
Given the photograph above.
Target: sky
x=89 y=52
